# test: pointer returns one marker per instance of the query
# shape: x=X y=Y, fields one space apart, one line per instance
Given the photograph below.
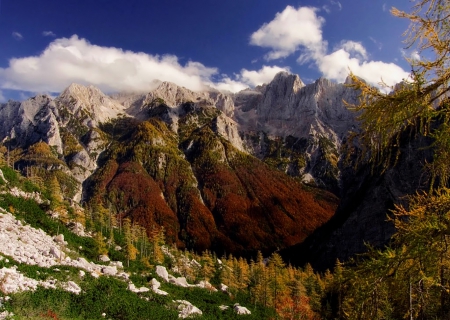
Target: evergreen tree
x=208 y=265
x=130 y=249
x=100 y=245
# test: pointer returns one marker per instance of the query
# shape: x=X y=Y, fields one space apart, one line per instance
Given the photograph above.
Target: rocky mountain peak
x=89 y=104
x=285 y=83
x=174 y=95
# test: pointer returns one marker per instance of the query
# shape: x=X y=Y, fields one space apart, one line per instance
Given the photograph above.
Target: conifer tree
x=277 y=282
x=208 y=265
x=410 y=278
x=419 y=101
x=55 y=191
x=130 y=249
x=100 y=245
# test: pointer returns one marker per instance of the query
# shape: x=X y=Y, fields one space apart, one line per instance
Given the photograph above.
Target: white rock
x=2 y=176
x=118 y=264
x=72 y=287
x=81 y=273
x=103 y=258
x=162 y=273
x=180 y=281
x=58 y=254
x=59 y=238
x=240 y=310
x=223 y=308
x=186 y=309
x=109 y=270
x=155 y=284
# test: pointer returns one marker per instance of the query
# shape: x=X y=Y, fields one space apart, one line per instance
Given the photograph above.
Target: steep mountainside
x=208 y=166
x=362 y=216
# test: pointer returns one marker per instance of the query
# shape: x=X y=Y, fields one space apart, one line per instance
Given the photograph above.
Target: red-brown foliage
x=141 y=198
x=239 y=206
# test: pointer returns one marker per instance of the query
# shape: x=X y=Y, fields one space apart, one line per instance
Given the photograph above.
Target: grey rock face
x=30 y=121
x=89 y=104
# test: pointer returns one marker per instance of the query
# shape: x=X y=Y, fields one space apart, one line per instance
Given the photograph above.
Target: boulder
x=162 y=273
x=180 y=281
x=240 y=310
x=186 y=309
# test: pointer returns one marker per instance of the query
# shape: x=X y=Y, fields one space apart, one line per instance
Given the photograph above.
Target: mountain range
x=261 y=169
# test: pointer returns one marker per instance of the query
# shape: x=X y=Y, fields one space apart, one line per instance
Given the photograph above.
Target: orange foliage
x=295 y=309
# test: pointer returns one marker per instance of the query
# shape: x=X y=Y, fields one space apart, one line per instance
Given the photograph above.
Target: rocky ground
x=27 y=245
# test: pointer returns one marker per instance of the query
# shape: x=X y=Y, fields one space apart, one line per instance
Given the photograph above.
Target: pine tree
x=130 y=249
x=208 y=265
x=100 y=245
x=277 y=282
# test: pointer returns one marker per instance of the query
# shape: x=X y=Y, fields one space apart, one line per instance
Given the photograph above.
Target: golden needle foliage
x=420 y=103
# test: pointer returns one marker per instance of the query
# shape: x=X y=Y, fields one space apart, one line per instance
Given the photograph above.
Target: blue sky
x=125 y=45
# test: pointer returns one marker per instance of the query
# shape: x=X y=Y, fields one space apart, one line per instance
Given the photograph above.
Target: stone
x=59 y=238
x=180 y=281
x=58 y=254
x=109 y=270
x=118 y=264
x=73 y=287
x=77 y=228
x=162 y=273
x=103 y=258
x=240 y=310
x=186 y=309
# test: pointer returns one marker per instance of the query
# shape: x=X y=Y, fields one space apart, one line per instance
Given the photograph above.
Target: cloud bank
x=69 y=60
x=300 y=30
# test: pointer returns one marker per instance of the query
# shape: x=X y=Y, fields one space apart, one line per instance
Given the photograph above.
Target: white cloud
x=228 y=84
x=249 y=78
x=48 y=34
x=355 y=48
x=415 y=56
x=337 y=65
x=301 y=29
x=410 y=55
x=289 y=31
x=68 y=60
x=16 y=35
x=264 y=75
x=2 y=97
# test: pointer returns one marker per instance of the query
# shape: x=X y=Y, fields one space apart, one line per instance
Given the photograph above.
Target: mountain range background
x=258 y=170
